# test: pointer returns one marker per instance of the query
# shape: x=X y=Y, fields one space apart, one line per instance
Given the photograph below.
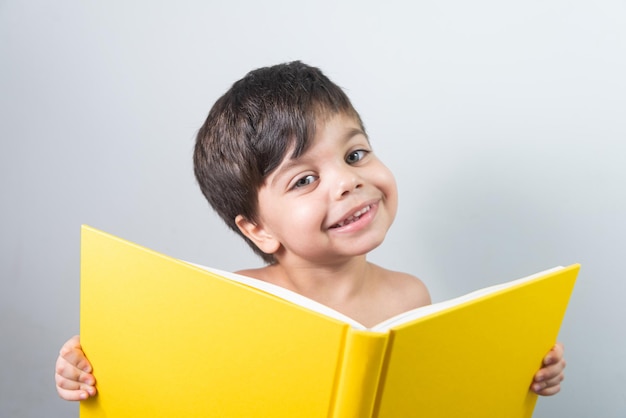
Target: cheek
x=292 y=220
x=389 y=188
x=393 y=205
x=306 y=215
x=388 y=184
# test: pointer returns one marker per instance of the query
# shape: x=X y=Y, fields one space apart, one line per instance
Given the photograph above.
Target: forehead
x=334 y=130
x=330 y=133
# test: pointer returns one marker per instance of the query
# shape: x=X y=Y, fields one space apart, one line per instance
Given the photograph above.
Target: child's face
x=336 y=200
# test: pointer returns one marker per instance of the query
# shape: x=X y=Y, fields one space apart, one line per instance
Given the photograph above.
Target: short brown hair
x=250 y=129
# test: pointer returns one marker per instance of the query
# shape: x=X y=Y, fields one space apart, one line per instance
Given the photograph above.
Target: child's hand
x=73 y=376
x=547 y=381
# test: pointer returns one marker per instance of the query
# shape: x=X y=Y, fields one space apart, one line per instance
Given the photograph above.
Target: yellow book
x=168 y=338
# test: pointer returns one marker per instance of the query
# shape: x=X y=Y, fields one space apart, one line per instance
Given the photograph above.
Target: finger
x=74 y=395
x=71 y=390
x=73 y=384
x=554 y=355
x=70 y=386
x=69 y=371
x=73 y=353
x=550 y=372
x=548 y=387
x=549 y=391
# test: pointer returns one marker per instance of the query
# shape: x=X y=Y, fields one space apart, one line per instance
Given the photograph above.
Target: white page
x=440 y=306
x=384 y=326
x=285 y=294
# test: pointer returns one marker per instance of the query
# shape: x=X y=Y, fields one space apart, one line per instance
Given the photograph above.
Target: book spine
x=360 y=374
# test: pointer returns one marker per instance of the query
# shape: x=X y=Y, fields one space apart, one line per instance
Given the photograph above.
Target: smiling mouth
x=354 y=217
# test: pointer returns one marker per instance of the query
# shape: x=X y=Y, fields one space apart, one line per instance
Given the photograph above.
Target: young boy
x=284 y=159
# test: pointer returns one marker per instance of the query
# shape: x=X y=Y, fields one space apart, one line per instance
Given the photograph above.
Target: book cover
x=169 y=338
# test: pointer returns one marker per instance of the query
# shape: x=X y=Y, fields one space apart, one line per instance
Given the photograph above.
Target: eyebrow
x=294 y=161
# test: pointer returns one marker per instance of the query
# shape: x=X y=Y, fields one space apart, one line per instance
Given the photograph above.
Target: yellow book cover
x=168 y=338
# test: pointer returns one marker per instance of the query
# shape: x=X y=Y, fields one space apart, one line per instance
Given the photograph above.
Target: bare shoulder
x=404 y=288
x=266 y=273
x=260 y=273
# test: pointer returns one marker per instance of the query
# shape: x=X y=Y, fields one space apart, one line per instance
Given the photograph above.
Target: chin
x=366 y=247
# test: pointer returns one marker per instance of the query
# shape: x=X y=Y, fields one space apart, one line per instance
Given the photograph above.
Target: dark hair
x=250 y=129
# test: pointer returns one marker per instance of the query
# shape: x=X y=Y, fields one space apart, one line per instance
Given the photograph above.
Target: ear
x=256 y=233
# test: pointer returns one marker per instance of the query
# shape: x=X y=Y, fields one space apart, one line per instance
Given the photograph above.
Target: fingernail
x=83 y=395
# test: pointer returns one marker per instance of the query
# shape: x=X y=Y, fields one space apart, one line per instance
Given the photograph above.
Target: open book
x=168 y=338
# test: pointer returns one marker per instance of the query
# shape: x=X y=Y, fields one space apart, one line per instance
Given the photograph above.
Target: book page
x=446 y=304
x=285 y=294
x=384 y=326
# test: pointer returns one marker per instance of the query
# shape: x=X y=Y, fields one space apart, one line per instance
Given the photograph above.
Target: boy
x=283 y=158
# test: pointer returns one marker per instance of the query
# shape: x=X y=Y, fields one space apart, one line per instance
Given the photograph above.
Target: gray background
x=504 y=122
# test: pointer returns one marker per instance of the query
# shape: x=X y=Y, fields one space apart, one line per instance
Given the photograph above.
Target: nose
x=347 y=182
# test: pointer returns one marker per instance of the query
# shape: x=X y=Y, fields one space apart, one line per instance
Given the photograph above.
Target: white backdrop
x=504 y=122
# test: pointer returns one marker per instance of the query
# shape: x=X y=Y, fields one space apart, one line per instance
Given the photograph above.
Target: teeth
x=355 y=216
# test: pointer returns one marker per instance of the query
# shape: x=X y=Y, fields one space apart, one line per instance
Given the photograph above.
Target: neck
x=329 y=284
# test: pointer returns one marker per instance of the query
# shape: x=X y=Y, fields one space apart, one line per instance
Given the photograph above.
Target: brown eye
x=356 y=156
x=304 y=181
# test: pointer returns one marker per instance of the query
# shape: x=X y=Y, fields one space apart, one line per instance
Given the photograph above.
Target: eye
x=356 y=156
x=304 y=181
